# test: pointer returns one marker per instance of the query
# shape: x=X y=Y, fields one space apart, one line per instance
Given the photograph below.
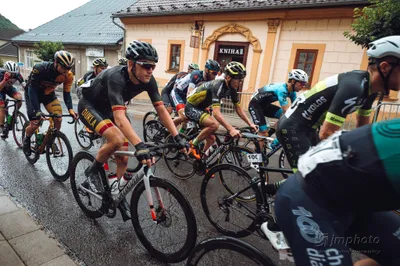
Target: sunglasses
x=146 y=65
x=302 y=83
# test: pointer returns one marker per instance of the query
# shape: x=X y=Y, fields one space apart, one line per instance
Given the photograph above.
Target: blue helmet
x=212 y=65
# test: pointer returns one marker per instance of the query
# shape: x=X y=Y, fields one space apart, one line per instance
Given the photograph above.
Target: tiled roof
x=8 y=49
x=89 y=24
x=175 y=7
x=7 y=34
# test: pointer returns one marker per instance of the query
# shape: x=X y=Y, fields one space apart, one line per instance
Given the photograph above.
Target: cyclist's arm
x=194 y=79
x=327 y=129
x=364 y=113
x=67 y=90
x=283 y=101
x=240 y=112
x=122 y=122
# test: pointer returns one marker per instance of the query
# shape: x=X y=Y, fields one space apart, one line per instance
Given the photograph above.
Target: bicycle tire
x=237 y=150
x=154 y=131
x=83 y=155
x=282 y=157
x=19 y=120
x=214 y=174
x=172 y=158
x=50 y=148
x=191 y=236
x=149 y=115
x=228 y=243
x=78 y=137
x=32 y=159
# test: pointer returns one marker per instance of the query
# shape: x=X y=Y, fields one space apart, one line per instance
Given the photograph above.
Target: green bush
x=45 y=50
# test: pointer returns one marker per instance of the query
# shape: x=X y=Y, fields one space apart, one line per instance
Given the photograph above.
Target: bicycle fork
x=147 y=174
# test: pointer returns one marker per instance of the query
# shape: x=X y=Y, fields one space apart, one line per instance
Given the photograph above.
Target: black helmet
x=235 y=70
x=100 y=62
x=212 y=65
x=138 y=50
x=122 y=61
x=64 y=58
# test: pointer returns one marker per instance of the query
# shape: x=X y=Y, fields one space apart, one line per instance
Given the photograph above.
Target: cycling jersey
x=272 y=93
x=166 y=91
x=320 y=210
x=107 y=93
x=11 y=91
x=18 y=76
x=329 y=100
x=88 y=76
x=193 y=80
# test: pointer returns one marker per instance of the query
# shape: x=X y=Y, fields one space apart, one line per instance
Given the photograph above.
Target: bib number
x=295 y=105
x=255 y=158
x=326 y=151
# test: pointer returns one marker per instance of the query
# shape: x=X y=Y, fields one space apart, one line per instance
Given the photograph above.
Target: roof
x=8 y=49
x=89 y=24
x=7 y=34
x=176 y=7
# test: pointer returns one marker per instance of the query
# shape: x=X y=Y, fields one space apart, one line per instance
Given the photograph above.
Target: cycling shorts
x=94 y=119
x=178 y=99
x=196 y=114
x=320 y=232
x=11 y=92
x=50 y=102
x=259 y=112
x=166 y=98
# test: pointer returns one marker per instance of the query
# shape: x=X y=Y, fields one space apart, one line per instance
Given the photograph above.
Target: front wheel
x=223 y=250
x=19 y=121
x=59 y=156
x=172 y=235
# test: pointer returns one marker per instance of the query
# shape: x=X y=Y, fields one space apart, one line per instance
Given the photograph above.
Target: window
x=305 y=60
x=31 y=59
x=175 y=58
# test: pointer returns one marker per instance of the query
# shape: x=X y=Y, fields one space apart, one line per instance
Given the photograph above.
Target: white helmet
x=299 y=75
x=387 y=46
x=11 y=67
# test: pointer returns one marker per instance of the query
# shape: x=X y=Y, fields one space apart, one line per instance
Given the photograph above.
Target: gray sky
x=29 y=14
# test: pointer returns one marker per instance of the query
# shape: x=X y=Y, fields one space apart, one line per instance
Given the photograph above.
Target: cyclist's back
x=273 y=92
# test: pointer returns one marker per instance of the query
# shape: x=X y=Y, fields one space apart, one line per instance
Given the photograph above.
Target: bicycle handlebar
x=57 y=116
x=154 y=148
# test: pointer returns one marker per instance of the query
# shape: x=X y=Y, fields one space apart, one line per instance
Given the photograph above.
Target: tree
x=378 y=20
x=45 y=50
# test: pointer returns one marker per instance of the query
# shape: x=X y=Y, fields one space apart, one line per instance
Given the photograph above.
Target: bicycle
x=50 y=143
x=14 y=122
x=150 y=206
x=213 y=251
x=85 y=137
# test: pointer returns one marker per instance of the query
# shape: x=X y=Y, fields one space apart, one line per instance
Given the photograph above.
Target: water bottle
x=210 y=150
x=39 y=138
x=9 y=119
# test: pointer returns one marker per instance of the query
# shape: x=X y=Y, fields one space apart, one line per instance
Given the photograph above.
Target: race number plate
x=255 y=158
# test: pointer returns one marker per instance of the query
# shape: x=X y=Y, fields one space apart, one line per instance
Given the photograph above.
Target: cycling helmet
x=138 y=50
x=299 y=75
x=100 y=62
x=388 y=46
x=11 y=67
x=64 y=58
x=212 y=65
x=122 y=61
x=193 y=66
x=235 y=70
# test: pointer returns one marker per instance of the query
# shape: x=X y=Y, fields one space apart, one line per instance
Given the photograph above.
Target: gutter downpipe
x=16 y=46
x=123 y=43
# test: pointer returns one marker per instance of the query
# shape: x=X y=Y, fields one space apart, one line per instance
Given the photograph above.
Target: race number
x=255 y=158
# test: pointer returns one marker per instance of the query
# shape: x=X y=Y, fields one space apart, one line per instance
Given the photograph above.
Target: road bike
x=157 y=206
x=86 y=138
x=14 y=121
x=54 y=144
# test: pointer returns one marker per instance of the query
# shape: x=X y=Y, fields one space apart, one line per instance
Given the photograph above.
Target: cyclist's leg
x=257 y=115
x=30 y=98
x=272 y=111
x=311 y=230
x=122 y=161
x=2 y=109
x=180 y=107
x=377 y=235
x=53 y=106
x=167 y=101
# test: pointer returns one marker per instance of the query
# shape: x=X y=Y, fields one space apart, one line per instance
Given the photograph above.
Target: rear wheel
x=283 y=163
x=82 y=135
x=151 y=115
x=35 y=153
x=172 y=236
x=19 y=121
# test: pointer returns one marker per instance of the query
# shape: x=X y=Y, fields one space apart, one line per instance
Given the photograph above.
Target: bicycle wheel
x=35 y=154
x=231 y=216
x=18 y=123
x=89 y=202
x=59 y=156
x=151 y=115
x=175 y=218
x=82 y=135
x=223 y=250
x=283 y=163
x=154 y=131
x=181 y=165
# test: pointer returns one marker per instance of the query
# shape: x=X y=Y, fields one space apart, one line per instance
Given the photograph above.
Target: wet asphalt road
x=103 y=241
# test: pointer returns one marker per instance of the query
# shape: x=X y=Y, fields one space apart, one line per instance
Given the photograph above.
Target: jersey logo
x=353 y=104
x=307 y=114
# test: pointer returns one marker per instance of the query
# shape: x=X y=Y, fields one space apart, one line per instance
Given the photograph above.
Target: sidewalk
x=22 y=240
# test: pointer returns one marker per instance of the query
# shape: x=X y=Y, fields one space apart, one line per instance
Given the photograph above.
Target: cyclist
x=99 y=64
x=319 y=208
x=166 y=91
x=185 y=85
x=8 y=76
x=42 y=82
x=123 y=61
x=211 y=93
x=261 y=106
x=102 y=108
x=326 y=105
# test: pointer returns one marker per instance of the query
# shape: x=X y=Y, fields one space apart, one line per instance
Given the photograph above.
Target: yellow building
x=269 y=37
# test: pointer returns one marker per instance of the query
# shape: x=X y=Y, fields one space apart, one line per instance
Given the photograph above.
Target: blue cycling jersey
x=274 y=92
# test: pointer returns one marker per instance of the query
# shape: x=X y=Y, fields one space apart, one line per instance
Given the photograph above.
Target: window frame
x=33 y=58
x=174 y=54
x=171 y=44
x=297 y=59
